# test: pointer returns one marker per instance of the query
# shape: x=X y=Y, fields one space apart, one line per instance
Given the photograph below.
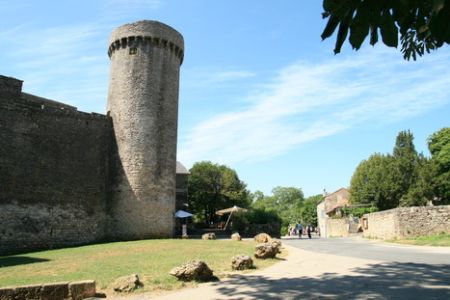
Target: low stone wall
x=383 y=224
x=52 y=291
x=407 y=222
x=337 y=227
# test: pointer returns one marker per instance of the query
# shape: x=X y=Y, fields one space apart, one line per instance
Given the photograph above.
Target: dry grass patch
x=151 y=259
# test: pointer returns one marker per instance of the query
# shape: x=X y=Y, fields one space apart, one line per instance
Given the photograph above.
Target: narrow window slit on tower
x=133 y=51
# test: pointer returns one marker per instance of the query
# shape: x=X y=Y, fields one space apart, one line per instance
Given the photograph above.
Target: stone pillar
x=143 y=105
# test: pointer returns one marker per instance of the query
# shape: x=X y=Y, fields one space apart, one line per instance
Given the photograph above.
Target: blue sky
x=259 y=90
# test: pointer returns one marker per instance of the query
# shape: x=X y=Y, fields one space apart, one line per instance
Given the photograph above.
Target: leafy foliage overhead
x=423 y=25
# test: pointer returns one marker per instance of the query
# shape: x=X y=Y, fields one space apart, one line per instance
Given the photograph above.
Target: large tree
x=439 y=146
x=421 y=25
x=308 y=210
x=375 y=182
x=285 y=201
x=421 y=191
x=406 y=161
x=212 y=187
x=405 y=178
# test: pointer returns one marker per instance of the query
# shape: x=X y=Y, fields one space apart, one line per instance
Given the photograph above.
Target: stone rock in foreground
x=276 y=244
x=209 y=236
x=241 y=262
x=262 y=238
x=265 y=250
x=193 y=270
x=127 y=283
x=236 y=237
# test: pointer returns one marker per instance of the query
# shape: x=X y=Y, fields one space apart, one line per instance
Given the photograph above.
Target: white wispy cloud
x=210 y=77
x=61 y=63
x=64 y=62
x=309 y=101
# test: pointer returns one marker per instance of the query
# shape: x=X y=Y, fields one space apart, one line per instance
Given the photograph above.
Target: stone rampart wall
x=53 y=175
x=407 y=222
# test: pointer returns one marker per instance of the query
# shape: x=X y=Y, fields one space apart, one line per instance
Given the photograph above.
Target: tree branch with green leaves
x=420 y=26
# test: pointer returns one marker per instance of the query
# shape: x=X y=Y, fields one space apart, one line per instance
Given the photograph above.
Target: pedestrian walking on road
x=299 y=229
x=308 y=230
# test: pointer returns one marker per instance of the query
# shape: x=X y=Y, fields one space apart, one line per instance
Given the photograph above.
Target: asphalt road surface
x=372 y=249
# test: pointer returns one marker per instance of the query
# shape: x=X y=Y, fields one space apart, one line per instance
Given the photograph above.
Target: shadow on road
x=375 y=281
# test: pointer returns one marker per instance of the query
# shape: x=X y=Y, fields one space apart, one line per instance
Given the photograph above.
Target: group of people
x=298 y=229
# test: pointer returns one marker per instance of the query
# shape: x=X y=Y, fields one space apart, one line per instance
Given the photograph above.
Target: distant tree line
x=405 y=177
x=213 y=187
x=383 y=181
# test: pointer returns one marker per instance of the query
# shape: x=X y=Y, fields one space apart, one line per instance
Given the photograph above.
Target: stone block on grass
x=193 y=270
x=55 y=291
x=7 y=293
x=241 y=262
x=236 y=237
x=79 y=290
x=209 y=236
x=127 y=283
x=28 y=292
x=265 y=250
x=262 y=238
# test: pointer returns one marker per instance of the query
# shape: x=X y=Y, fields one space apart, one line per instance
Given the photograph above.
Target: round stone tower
x=143 y=105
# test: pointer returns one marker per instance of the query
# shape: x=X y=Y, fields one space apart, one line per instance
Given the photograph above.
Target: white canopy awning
x=230 y=210
x=183 y=214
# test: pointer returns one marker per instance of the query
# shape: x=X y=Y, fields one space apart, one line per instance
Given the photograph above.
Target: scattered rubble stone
x=262 y=238
x=241 y=262
x=276 y=244
x=209 y=236
x=265 y=250
x=236 y=237
x=193 y=270
x=127 y=283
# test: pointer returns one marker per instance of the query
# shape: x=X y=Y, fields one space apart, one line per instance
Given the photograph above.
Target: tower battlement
x=147 y=34
x=137 y=41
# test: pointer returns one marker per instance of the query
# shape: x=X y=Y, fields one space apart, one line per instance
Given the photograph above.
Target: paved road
x=335 y=269
x=373 y=249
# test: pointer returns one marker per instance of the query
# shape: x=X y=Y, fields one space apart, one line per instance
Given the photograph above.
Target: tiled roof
x=181 y=169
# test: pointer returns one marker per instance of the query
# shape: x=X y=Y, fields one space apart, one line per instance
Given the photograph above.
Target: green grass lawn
x=442 y=239
x=151 y=259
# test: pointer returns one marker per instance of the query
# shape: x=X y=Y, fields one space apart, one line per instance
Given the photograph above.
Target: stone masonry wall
x=408 y=222
x=383 y=224
x=143 y=105
x=53 y=174
x=337 y=227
